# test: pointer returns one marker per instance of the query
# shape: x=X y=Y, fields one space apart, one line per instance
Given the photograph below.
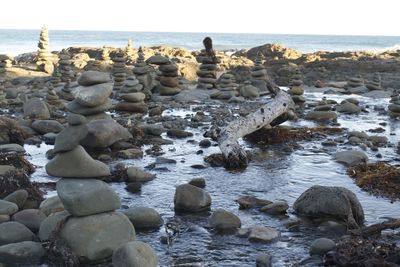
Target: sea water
x=23 y=41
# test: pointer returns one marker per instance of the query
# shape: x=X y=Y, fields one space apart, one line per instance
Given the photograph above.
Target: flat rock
x=12 y=148
x=351 y=157
x=75 y=107
x=93 y=96
x=134 y=97
x=76 y=163
x=91 y=77
x=47 y=126
x=224 y=221
x=26 y=252
x=51 y=205
x=263 y=234
x=323 y=116
x=83 y=197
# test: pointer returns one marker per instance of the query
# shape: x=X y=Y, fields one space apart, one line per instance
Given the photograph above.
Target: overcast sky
x=250 y=16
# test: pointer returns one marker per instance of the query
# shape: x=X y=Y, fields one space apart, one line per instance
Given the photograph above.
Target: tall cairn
x=142 y=73
x=394 y=106
x=65 y=67
x=259 y=75
x=296 y=88
x=207 y=72
x=5 y=63
x=105 y=54
x=43 y=59
x=119 y=71
x=130 y=53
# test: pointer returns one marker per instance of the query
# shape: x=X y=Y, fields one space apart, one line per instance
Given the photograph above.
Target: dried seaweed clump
x=10 y=132
x=18 y=161
x=15 y=180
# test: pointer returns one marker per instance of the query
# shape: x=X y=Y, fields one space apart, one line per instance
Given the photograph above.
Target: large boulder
x=92 y=77
x=50 y=224
x=134 y=254
x=76 y=163
x=26 y=253
x=94 y=95
x=14 y=232
x=330 y=202
x=97 y=236
x=104 y=133
x=70 y=137
x=87 y=197
x=36 y=109
x=189 y=198
x=144 y=217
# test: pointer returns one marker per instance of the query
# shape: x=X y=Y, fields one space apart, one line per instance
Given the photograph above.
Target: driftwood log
x=281 y=107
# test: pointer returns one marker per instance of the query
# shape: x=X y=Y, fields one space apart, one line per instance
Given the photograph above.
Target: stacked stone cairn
x=92 y=96
x=105 y=54
x=207 y=72
x=355 y=82
x=65 y=67
x=56 y=78
x=227 y=87
x=119 y=71
x=142 y=73
x=93 y=65
x=130 y=53
x=43 y=59
x=2 y=94
x=169 y=84
x=259 y=74
x=132 y=102
x=375 y=84
x=5 y=63
x=394 y=106
x=296 y=88
x=51 y=96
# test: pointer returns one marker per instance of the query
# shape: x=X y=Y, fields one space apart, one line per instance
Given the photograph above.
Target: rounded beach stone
x=134 y=254
x=18 y=197
x=321 y=246
x=7 y=208
x=190 y=198
x=22 y=253
x=31 y=218
x=50 y=224
x=14 y=232
x=93 y=96
x=144 y=217
x=92 y=77
x=51 y=205
x=224 y=221
x=87 y=197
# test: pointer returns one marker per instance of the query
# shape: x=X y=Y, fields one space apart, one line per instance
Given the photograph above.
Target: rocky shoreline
x=103 y=110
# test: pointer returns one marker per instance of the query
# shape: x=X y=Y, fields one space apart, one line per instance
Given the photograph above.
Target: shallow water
x=279 y=176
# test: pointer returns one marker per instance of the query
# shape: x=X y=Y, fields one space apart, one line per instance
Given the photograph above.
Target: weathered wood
x=227 y=137
x=373 y=229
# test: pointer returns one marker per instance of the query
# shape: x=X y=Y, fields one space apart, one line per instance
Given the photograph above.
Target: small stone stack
x=65 y=67
x=105 y=54
x=355 y=82
x=375 y=84
x=94 y=65
x=92 y=96
x=56 y=78
x=119 y=71
x=132 y=85
x=2 y=94
x=142 y=73
x=296 y=88
x=43 y=59
x=51 y=96
x=132 y=102
x=5 y=63
x=207 y=73
x=130 y=53
x=169 y=84
x=259 y=75
x=227 y=87
x=394 y=106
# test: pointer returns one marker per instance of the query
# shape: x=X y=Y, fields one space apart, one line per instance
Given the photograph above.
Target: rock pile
x=43 y=59
x=296 y=88
x=130 y=53
x=375 y=84
x=355 y=82
x=92 y=96
x=105 y=54
x=5 y=62
x=141 y=71
x=132 y=85
x=169 y=84
x=259 y=75
x=51 y=96
x=132 y=102
x=65 y=67
x=55 y=78
x=227 y=87
x=2 y=94
x=394 y=106
x=207 y=72
x=119 y=71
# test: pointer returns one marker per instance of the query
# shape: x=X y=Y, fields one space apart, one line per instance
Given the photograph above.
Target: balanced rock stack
x=259 y=75
x=105 y=54
x=375 y=84
x=51 y=96
x=65 y=67
x=5 y=62
x=142 y=73
x=92 y=96
x=94 y=229
x=227 y=87
x=93 y=65
x=169 y=84
x=119 y=71
x=207 y=71
x=2 y=94
x=130 y=53
x=55 y=78
x=394 y=106
x=355 y=82
x=132 y=102
x=132 y=85
x=296 y=88
x=43 y=59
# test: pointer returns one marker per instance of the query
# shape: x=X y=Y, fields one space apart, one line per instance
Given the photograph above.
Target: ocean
x=16 y=42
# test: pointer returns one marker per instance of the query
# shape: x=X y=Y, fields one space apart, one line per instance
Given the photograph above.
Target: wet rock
x=351 y=157
x=224 y=222
x=263 y=260
x=198 y=182
x=36 y=109
x=51 y=205
x=189 y=198
x=131 y=153
x=321 y=246
x=177 y=133
x=205 y=143
x=263 y=234
x=26 y=252
x=87 y=197
x=137 y=175
x=348 y=108
x=330 y=202
x=378 y=140
x=31 y=218
x=323 y=116
x=14 y=232
x=76 y=163
x=278 y=207
x=50 y=224
x=195 y=95
x=248 y=202
x=18 y=197
x=99 y=138
x=12 y=148
x=96 y=237
x=47 y=126
x=94 y=95
x=89 y=78
x=134 y=254
x=332 y=226
x=162 y=160
x=134 y=187
x=151 y=129
x=7 y=208
x=144 y=217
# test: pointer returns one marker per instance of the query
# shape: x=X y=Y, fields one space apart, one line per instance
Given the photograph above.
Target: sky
x=339 y=17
